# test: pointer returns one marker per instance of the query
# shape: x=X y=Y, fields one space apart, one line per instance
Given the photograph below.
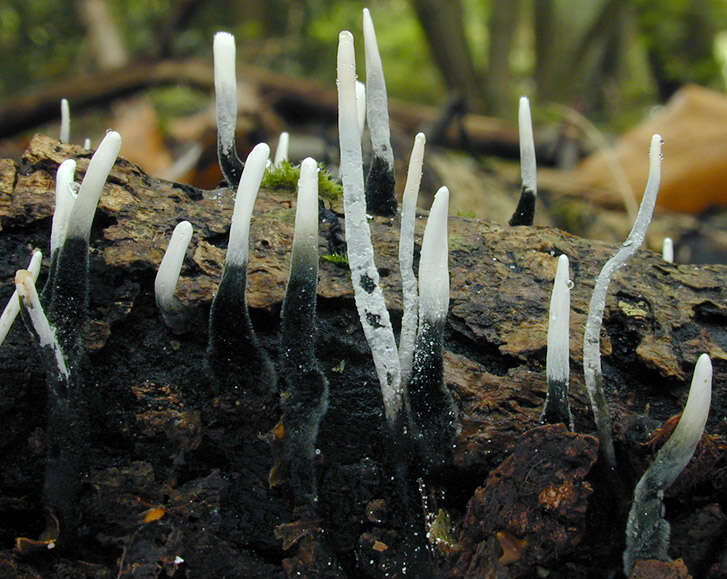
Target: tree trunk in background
x=443 y=26
x=108 y=47
x=503 y=28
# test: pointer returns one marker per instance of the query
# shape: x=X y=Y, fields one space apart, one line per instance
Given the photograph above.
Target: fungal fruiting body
x=13 y=306
x=380 y=198
x=226 y=107
x=406 y=257
x=281 y=151
x=236 y=359
x=167 y=276
x=65 y=132
x=432 y=412
x=67 y=296
x=591 y=339
x=525 y=211
x=365 y=277
x=647 y=531
x=667 y=250
x=557 y=365
x=304 y=387
x=361 y=104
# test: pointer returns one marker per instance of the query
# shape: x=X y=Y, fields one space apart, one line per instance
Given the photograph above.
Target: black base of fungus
x=67 y=308
x=557 y=409
x=236 y=358
x=525 y=211
x=380 y=198
x=231 y=166
x=433 y=415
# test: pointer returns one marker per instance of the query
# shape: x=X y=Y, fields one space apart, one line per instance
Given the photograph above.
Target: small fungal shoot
x=281 y=151
x=365 y=277
x=13 y=306
x=165 y=283
x=667 y=250
x=65 y=133
x=647 y=530
x=380 y=198
x=525 y=211
x=406 y=257
x=236 y=358
x=592 y=337
x=304 y=389
x=433 y=414
x=226 y=107
x=557 y=364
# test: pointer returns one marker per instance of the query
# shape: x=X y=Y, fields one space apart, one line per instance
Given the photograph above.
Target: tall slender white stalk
x=528 y=167
x=65 y=133
x=13 y=306
x=25 y=286
x=226 y=106
x=592 y=337
x=433 y=266
x=406 y=257
x=367 y=292
x=281 y=151
x=65 y=198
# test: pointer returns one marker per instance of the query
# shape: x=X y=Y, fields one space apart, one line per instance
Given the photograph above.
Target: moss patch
x=286 y=175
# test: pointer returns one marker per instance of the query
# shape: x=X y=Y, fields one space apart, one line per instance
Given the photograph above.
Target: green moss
x=337 y=258
x=470 y=213
x=286 y=175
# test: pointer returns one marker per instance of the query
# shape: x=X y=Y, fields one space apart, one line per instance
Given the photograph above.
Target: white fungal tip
x=557 y=357
x=527 y=146
x=13 y=306
x=361 y=104
x=65 y=198
x=25 y=287
x=252 y=176
x=691 y=425
x=433 y=266
x=667 y=250
x=81 y=218
x=87 y=144
x=281 y=152
x=168 y=273
x=414 y=174
x=225 y=88
x=65 y=135
x=306 y=213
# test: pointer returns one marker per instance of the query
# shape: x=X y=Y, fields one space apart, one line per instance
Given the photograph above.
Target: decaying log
x=295 y=99
x=165 y=435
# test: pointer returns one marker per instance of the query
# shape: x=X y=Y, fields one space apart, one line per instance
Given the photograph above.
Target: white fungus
x=225 y=90
x=367 y=292
x=25 y=286
x=252 y=176
x=361 y=104
x=281 y=151
x=168 y=274
x=377 y=109
x=305 y=238
x=408 y=334
x=65 y=198
x=433 y=265
x=81 y=218
x=591 y=339
x=667 y=250
x=527 y=147
x=13 y=306
x=556 y=360
x=65 y=133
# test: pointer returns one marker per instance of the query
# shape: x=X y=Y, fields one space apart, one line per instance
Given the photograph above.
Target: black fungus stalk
x=432 y=412
x=380 y=197
x=236 y=358
x=226 y=108
x=525 y=210
x=67 y=307
x=304 y=388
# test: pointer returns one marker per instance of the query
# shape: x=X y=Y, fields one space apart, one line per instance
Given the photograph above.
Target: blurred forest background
x=593 y=69
x=611 y=59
